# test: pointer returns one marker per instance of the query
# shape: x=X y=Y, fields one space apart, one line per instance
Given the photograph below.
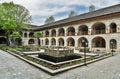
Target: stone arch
x=31 y=41
x=61 y=41
x=80 y=44
x=2 y=32
x=70 y=42
x=18 y=41
x=31 y=34
x=61 y=32
x=25 y=34
x=113 y=28
x=98 y=42
x=113 y=44
x=53 y=32
x=3 y=40
x=99 y=28
x=46 y=41
x=71 y=31
x=83 y=30
x=47 y=33
x=53 y=41
x=39 y=42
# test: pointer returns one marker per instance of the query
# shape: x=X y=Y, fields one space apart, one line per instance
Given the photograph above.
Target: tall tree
x=13 y=17
x=49 y=20
x=15 y=35
x=38 y=35
x=72 y=13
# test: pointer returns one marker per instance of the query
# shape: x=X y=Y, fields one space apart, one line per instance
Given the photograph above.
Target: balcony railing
x=83 y=33
x=98 y=32
x=31 y=36
x=71 y=34
x=46 y=35
x=61 y=34
x=113 y=30
x=53 y=35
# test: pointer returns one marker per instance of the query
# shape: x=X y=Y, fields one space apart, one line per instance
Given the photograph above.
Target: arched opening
x=71 y=31
x=2 y=32
x=31 y=41
x=18 y=41
x=25 y=34
x=53 y=33
x=70 y=42
x=46 y=33
x=39 y=42
x=80 y=44
x=31 y=34
x=98 y=42
x=61 y=32
x=83 y=30
x=113 y=28
x=46 y=42
x=113 y=44
x=3 y=40
x=53 y=41
x=98 y=28
x=61 y=41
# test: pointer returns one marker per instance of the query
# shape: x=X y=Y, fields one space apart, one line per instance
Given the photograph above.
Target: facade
x=100 y=29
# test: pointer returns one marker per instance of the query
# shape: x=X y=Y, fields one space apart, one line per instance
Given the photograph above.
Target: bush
x=10 y=48
x=19 y=48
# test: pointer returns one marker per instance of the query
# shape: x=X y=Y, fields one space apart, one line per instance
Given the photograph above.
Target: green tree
x=38 y=35
x=49 y=20
x=13 y=17
x=72 y=13
x=14 y=36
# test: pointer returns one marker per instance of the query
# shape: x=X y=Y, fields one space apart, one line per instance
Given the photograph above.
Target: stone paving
x=14 y=68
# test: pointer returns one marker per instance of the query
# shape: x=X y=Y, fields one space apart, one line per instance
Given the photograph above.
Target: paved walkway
x=14 y=68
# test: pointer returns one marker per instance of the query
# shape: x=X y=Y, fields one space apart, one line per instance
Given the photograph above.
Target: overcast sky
x=42 y=9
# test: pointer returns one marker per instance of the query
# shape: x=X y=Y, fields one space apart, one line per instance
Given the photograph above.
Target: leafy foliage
x=49 y=20
x=72 y=13
x=15 y=35
x=13 y=17
x=37 y=34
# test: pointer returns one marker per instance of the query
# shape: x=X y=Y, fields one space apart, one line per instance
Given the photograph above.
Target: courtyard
x=14 y=68
x=68 y=48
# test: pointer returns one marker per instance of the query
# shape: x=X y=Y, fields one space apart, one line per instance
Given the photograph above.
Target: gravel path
x=14 y=68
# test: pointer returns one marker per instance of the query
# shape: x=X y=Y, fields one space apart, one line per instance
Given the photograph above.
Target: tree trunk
x=38 y=41
x=8 y=41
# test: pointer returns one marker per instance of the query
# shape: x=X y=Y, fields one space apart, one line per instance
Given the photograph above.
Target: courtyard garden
x=54 y=59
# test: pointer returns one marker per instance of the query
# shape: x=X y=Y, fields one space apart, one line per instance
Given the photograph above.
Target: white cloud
x=45 y=8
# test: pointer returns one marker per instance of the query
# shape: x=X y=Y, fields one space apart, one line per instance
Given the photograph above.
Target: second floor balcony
x=83 y=33
x=71 y=34
x=98 y=32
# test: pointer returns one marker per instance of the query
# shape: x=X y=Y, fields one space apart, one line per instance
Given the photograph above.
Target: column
x=76 y=43
x=57 y=43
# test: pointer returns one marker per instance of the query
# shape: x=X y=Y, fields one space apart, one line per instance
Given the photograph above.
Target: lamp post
x=112 y=47
x=84 y=42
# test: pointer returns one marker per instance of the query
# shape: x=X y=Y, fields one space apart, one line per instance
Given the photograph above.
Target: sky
x=59 y=9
